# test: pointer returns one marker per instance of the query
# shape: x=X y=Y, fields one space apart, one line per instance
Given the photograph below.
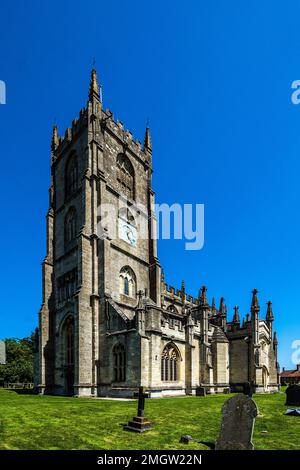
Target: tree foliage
x=19 y=360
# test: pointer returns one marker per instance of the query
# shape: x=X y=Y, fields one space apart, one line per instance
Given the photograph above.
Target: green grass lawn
x=41 y=422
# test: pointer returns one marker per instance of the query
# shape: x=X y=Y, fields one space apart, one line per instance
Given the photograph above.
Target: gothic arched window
x=127 y=282
x=119 y=358
x=70 y=225
x=170 y=364
x=71 y=176
x=125 y=176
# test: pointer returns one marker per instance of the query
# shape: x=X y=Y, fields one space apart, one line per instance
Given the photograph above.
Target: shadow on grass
x=22 y=391
x=210 y=445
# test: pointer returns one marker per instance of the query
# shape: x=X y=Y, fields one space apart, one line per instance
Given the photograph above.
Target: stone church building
x=109 y=322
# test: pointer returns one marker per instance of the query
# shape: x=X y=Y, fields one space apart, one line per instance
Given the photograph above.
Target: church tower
x=100 y=251
x=109 y=322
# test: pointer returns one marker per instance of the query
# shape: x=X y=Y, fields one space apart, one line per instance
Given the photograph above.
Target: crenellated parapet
x=124 y=136
x=61 y=143
x=107 y=123
x=179 y=296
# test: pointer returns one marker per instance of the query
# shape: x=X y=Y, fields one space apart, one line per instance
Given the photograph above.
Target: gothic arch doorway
x=69 y=355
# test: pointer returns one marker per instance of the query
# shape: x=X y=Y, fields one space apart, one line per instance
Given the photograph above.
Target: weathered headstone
x=293 y=395
x=238 y=416
x=139 y=423
x=200 y=392
x=185 y=439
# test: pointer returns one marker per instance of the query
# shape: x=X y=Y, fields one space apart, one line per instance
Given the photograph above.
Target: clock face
x=127 y=232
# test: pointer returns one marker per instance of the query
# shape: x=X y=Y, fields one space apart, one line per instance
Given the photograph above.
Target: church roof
x=291 y=373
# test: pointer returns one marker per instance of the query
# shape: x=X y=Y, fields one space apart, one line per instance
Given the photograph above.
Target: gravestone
x=185 y=439
x=293 y=395
x=200 y=392
x=139 y=423
x=238 y=416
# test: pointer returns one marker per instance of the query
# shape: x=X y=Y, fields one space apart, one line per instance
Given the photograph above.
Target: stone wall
x=238 y=361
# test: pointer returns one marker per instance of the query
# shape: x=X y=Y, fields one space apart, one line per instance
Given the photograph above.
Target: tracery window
x=170 y=364
x=125 y=176
x=66 y=285
x=127 y=282
x=71 y=176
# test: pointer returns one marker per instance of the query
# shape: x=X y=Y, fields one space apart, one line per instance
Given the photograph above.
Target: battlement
x=178 y=294
x=106 y=121
x=70 y=133
x=124 y=135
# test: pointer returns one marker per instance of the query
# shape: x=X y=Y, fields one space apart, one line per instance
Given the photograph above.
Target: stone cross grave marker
x=293 y=395
x=139 y=423
x=238 y=416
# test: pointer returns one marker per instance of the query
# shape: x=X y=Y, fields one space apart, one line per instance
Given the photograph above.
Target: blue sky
x=214 y=78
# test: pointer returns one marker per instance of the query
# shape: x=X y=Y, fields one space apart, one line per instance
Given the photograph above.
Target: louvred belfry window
x=71 y=176
x=125 y=176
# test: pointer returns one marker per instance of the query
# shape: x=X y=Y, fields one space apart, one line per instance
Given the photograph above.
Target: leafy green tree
x=19 y=360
